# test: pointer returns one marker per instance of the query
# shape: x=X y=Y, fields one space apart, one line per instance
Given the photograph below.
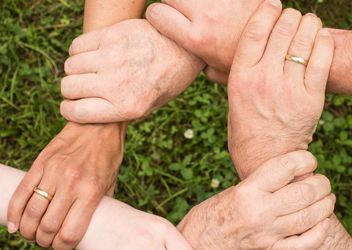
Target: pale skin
x=202 y=236
x=207 y=23
x=286 y=98
x=117 y=224
x=201 y=27
x=78 y=167
x=114 y=223
x=193 y=58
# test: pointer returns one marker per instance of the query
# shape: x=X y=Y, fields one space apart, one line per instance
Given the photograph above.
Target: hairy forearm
x=338 y=237
x=340 y=79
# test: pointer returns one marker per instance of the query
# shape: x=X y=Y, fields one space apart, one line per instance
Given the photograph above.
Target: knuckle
x=24 y=188
x=50 y=226
x=72 y=177
x=301 y=42
x=288 y=163
x=94 y=192
x=306 y=218
x=285 y=30
x=254 y=32
x=324 y=182
x=64 y=85
x=310 y=160
x=293 y=13
x=212 y=16
x=197 y=39
x=146 y=238
x=312 y=19
x=307 y=192
x=67 y=68
x=34 y=210
x=74 y=46
x=69 y=237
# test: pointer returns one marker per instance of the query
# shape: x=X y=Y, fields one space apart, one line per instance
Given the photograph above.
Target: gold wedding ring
x=297 y=60
x=43 y=193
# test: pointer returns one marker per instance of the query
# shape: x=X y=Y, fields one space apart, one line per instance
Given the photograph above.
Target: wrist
x=338 y=237
x=249 y=153
x=112 y=134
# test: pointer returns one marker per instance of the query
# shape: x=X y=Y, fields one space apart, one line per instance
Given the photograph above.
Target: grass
x=163 y=172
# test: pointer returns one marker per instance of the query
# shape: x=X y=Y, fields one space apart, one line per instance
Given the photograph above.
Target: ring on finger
x=43 y=194
x=297 y=60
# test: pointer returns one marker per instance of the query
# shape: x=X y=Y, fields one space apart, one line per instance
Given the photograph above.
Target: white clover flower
x=215 y=183
x=189 y=134
x=321 y=122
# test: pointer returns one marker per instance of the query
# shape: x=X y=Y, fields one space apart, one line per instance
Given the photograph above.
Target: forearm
x=338 y=237
x=340 y=79
x=113 y=224
x=102 y=13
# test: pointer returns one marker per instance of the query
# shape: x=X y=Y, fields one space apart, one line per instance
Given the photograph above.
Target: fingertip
x=153 y=11
x=324 y=32
x=276 y=3
x=326 y=224
x=12 y=227
x=333 y=197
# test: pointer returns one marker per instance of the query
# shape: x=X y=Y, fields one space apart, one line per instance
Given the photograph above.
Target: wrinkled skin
x=78 y=167
x=210 y=29
x=124 y=72
x=275 y=104
x=263 y=212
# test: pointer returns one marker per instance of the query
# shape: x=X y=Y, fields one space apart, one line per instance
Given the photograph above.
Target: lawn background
x=162 y=172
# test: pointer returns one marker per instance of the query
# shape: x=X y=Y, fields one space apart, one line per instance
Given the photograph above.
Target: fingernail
x=311 y=14
x=326 y=224
x=276 y=3
x=155 y=11
x=324 y=32
x=333 y=197
x=30 y=241
x=11 y=227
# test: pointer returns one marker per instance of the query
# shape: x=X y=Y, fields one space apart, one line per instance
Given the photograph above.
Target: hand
x=124 y=72
x=119 y=226
x=265 y=211
x=274 y=103
x=208 y=28
x=77 y=168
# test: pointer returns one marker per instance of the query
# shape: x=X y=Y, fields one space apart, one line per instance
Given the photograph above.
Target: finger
x=299 y=195
x=53 y=219
x=301 y=221
x=302 y=46
x=319 y=64
x=21 y=196
x=34 y=211
x=90 y=110
x=85 y=43
x=171 y=23
x=255 y=36
x=82 y=63
x=185 y=7
x=216 y=76
x=82 y=86
x=312 y=239
x=278 y=172
x=281 y=38
x=75 y=224
x=110 y=192
x=175 y=240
